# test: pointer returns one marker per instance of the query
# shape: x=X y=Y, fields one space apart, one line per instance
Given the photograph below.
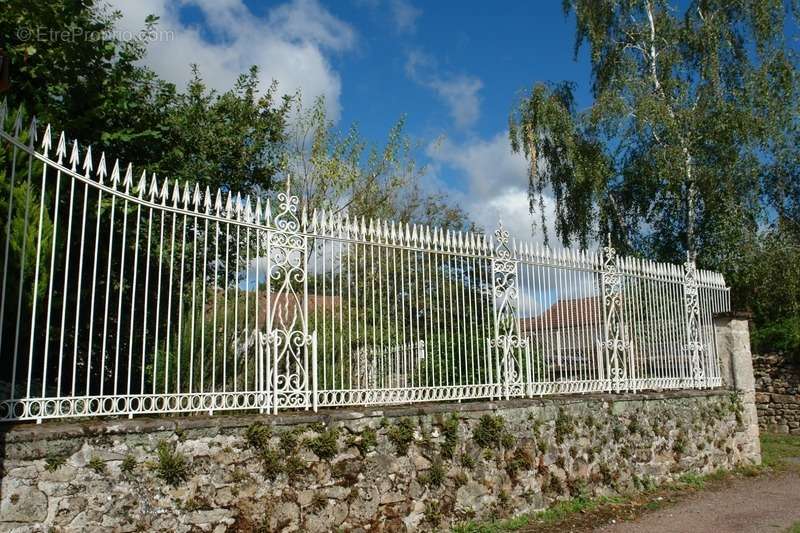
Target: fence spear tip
x=18 y=122
x=61 y=148
x=101 y=167
x=142 y=185
x=47 y=140
x=128 y=181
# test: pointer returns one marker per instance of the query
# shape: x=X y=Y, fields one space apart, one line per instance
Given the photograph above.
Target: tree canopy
x=689 y=146
x=689 y=140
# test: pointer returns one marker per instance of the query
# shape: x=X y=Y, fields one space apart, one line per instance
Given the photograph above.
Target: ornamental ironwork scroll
x=287 y=342
x=694 y=344
x=615 y=342
x=507 y=341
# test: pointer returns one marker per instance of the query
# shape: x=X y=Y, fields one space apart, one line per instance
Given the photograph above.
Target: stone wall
x=404 y=468
x=777 y=394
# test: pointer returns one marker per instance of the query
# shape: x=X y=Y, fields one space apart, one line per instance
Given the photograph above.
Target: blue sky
x=453 y=69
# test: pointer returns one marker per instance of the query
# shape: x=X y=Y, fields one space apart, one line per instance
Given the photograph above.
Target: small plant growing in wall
x=257 y=435
x=450 y=433
x=401 y=435
x=128 y=464
x=433 y=513
x=289 y=440
x=680 y=443
x=271 y=463
x=325 y=445
x=366 y=441
x=172 y=466
x=97 y=465
x=435 y=475
x=467 y=461
x=522 y=460
x=564 y=426
x=53 y=462
x=491 y=432
x=295 y=467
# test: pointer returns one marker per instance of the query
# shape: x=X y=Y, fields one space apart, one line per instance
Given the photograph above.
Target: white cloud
x=289 y=44
x=404 y=15
x=495 y=189
x=458 y=91
x=495 y=186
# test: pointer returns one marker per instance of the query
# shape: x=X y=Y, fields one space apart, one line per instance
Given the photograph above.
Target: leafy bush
x=782 y=336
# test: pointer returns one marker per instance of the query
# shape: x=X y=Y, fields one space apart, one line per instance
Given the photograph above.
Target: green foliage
x=289 y=440
x=258 y=435
x=97 y=465
x=367 y=440
x=435 y=475
x=565 y=426
x=325 y=445
x=128 y=464
x=401 y=435
x=172 y=466
x=450 y=434
x=680 y=443
x=271 y=462
x=691 y=142
x=521 y=460
x=53 y=462
x=467 y=461
x=232 y=140
x=782 y=336
x=490 y=432
x=433 y=512
x=341 y=170
x=295 y=467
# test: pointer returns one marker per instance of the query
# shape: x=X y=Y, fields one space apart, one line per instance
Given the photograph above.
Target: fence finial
x=88 y=165
x=127 y=181
x=101 y=167
x=18 y=123
x=142 y=186
x=153 y=188
x=33 y=134
x=47 y=141
x=61 y=148
x=208 y=200
x=115 y=174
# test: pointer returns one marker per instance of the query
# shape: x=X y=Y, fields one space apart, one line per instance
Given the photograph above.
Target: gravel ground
x=757 y=505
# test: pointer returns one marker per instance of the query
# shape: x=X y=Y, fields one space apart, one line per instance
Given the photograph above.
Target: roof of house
x=566 y=314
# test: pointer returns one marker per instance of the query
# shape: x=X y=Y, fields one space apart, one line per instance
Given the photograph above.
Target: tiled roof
x=566 y=314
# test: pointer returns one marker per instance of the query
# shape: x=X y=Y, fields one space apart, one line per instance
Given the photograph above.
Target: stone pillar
x=736 y=368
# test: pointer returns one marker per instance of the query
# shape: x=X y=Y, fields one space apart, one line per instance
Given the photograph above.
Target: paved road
x=749 y=505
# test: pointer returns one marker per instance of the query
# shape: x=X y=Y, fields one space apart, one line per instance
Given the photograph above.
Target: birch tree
x=690 y=107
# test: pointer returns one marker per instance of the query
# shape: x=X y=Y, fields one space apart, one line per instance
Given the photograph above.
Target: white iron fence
x=124 y=295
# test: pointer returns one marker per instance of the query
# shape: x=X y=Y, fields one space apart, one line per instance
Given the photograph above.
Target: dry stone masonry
x=400 y=469
x=777 y=393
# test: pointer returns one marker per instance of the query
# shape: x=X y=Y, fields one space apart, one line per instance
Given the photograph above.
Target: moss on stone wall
x=406 y=468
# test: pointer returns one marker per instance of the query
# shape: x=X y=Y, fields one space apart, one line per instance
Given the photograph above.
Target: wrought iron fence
x=126 y=295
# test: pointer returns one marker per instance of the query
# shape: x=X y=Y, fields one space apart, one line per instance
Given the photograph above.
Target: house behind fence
x=127 y=294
